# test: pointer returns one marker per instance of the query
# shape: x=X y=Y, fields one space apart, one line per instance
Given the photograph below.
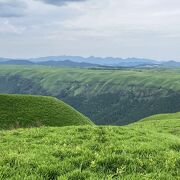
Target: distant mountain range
x=66 y=63
x=78 y=61
x=16 y=62
x=108 y=61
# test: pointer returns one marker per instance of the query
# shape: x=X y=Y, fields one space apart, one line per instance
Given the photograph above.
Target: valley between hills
x=42 y=137
x=107 y=97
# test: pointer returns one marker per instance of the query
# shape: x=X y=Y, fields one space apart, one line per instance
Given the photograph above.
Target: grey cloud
x=12 y=8
x=60 y=2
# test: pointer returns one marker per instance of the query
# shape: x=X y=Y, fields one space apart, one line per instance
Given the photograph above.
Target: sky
x=117 y=28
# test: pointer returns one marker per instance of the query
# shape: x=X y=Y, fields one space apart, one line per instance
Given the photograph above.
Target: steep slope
x=144 y=150
x=27 y=111
x=105 y=96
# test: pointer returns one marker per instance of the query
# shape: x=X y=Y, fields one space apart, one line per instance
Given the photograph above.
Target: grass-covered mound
x=28 y=111
x=145 y=150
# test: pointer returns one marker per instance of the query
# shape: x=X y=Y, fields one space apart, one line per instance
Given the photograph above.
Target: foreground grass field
x=146 y=150
x=32 y=111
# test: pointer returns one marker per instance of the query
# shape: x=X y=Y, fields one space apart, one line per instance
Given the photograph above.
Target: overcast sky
x=118 y=28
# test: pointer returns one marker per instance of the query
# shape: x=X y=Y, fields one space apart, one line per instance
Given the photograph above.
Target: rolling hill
x=28 y=111
x=174 y=116
x=143 y=150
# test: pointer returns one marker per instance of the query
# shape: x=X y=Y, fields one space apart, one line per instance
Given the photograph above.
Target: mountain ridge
x=96 y=61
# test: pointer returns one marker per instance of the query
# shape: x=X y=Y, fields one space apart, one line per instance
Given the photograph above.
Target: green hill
x=171 y=116
x=28 y=111
x=144 y=150
x=106 y=96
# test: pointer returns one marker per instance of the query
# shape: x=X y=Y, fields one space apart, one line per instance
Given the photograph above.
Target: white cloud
x=7 y=28
x=60 y=2
x=127 y=16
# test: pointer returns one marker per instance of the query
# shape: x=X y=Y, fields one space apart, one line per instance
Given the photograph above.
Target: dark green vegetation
x=106 y=96
x=149 y=149
x=29 y=111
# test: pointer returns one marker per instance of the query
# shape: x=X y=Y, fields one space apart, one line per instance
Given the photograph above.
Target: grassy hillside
x=174 y=116
x=144 y=150
x=27 y=111
x=106 y=96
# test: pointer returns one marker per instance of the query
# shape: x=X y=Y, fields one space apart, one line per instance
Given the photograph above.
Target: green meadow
x=148 y=149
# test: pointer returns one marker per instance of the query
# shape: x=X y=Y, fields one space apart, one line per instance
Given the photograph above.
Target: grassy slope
x=27 y=111
x=97 y=81
x=106 y=96
x=174 y=116
x=144 y=150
